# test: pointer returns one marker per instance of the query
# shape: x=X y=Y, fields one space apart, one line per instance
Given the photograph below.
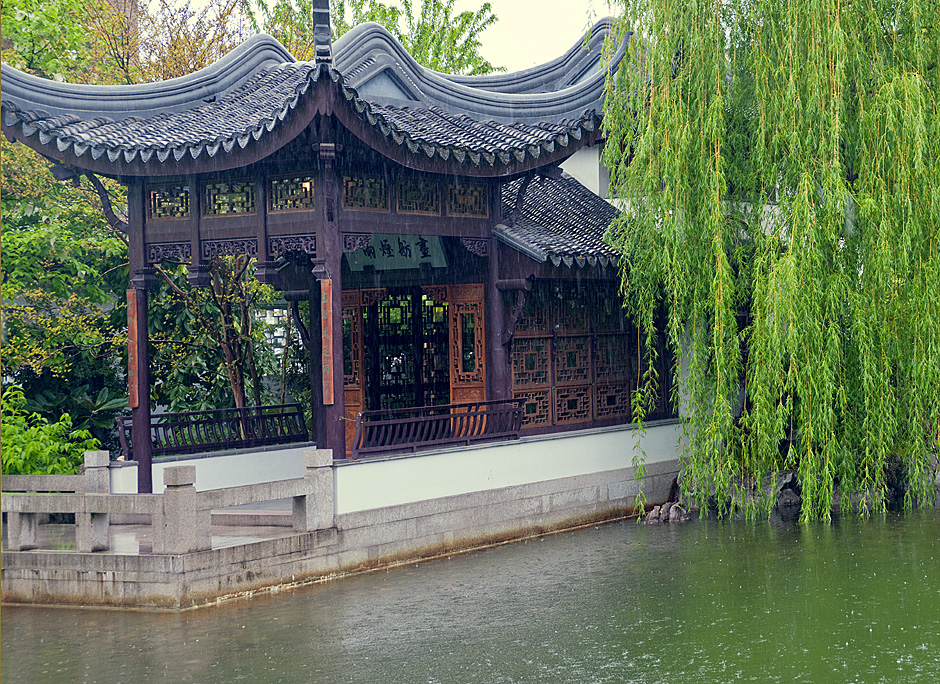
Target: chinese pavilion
x=425 y=216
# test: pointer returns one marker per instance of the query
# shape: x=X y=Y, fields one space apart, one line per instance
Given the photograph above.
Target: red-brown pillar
x=138 y=339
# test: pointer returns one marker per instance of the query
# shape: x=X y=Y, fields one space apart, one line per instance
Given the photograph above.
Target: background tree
x=780 y=162
x=434 y=35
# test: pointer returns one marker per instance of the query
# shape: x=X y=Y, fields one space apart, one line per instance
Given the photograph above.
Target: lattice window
x=419 y=196
x=612 y=401
x=536 y=408
x=612 y=362
x=570 y=312
x=230 y=197
x=530 y=362
x=572 y=404
x=434 y=369
x=467 y=342
x=292 y=193
x=608 y=310
x=169 y=202
x=352 y=343
x=468 y=200
x=365 y=193
x=534 y=319
x=572 y=360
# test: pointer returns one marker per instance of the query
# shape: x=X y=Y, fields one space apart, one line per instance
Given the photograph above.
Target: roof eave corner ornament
x=321 y=32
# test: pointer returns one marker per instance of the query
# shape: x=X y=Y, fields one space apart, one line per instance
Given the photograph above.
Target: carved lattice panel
x=536 y=408
x=572 y=360
x=435 y=374
x=230 y=197
x=352 y=346
x=466 y=342
x=467 y=200
x=572 y=404
x=170 y=202
x=365 y=193
x=291 y=193
x=612 y=363
x=612 y=401
x=419 y=196
x=608 y=310
x=530 y=361
x=570 y=313
x=534 y=318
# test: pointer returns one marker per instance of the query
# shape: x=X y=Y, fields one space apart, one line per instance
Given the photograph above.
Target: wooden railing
x=430 y=426
x=196 y=431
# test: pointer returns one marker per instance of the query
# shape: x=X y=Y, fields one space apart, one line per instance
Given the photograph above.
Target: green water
x=704 y=602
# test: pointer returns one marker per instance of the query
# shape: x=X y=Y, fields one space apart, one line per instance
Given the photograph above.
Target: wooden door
x=467 y=345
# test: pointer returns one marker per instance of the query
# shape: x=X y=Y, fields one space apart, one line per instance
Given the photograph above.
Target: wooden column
x=331 y=258
x=138 y=338
x=315 y=348
x=498 y=369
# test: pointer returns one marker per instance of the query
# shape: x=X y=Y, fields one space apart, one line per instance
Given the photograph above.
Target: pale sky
x=531 y=32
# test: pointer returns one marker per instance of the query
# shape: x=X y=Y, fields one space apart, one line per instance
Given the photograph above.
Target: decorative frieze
x=419 y=196
x=437 y=293
x=354 y=241
x=373 y=296
x=229 y=197
x=169 y=251
x=282 y=244
x=291 y=193
x=365 y=193
x=470 y=200
x=480 y=247
x=240 y=246
x=168 y=202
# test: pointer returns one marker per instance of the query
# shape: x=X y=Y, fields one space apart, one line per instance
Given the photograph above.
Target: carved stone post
x=178 y=526
x=314 y=510
x=91 y=529
x=22 y=531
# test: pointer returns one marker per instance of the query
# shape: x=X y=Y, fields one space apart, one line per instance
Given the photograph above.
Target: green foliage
x=433 y=35
x=445 y=42
x=209 y=344
x=780 y=165
x=43 y=37
x=34 y=446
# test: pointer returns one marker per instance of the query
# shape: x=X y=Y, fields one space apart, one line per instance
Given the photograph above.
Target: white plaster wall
x=365 y=485
x=585 y=166
x=216 y=472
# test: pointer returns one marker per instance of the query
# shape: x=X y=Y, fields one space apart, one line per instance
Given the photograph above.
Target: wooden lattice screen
x=574 y=357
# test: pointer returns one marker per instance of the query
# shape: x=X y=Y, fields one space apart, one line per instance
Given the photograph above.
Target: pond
x=854 y=601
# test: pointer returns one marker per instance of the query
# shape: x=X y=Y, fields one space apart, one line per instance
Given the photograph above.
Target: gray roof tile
x=561 y=220
x=249 y=93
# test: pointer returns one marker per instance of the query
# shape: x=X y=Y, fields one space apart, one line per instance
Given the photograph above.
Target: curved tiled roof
x=561 y=221
x=257 y=88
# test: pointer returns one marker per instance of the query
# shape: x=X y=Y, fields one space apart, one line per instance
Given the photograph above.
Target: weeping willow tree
x=779 y=161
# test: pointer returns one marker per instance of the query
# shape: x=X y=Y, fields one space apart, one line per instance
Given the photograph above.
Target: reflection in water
x=704 y=602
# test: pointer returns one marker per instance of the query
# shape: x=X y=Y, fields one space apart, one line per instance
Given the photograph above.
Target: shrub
x=31 y=445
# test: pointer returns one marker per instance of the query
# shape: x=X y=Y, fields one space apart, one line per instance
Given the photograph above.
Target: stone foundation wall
x=359 y=541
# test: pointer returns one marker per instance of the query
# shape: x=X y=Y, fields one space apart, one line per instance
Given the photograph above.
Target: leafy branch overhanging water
x=780 y=166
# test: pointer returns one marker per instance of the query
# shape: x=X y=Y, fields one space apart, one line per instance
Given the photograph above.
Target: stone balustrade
x=180 y=517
